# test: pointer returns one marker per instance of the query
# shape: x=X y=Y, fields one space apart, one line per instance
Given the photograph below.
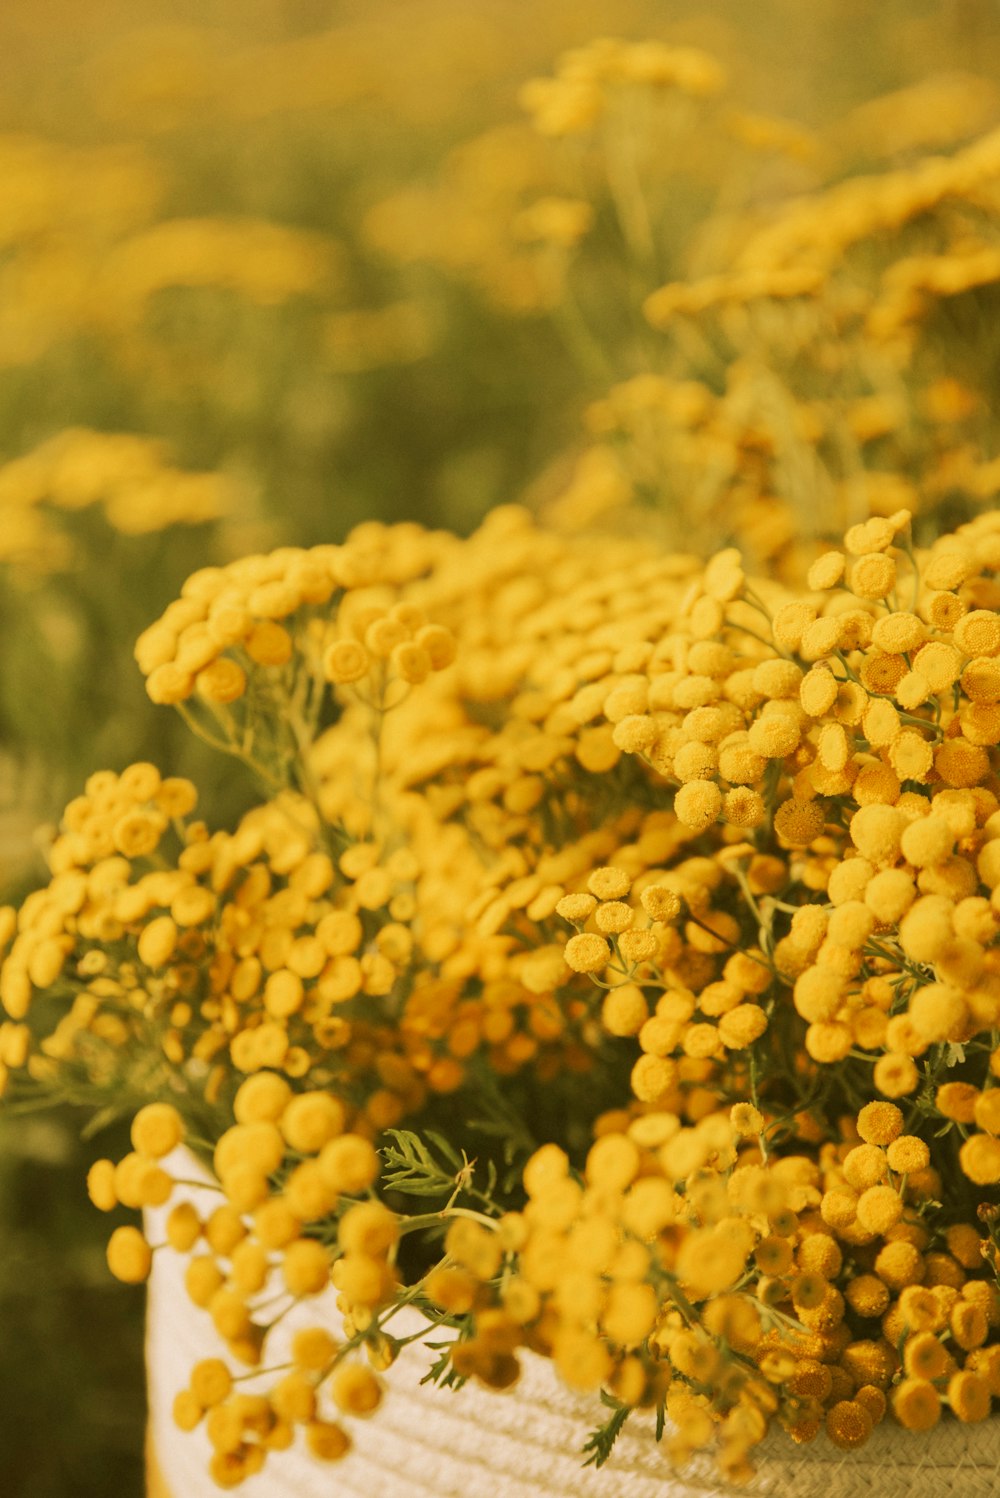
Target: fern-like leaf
x=598 y=1446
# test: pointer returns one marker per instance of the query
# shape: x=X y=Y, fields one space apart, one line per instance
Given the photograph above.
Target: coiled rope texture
x=427 y=1442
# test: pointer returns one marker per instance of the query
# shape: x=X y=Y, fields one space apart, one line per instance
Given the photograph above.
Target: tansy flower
x=979 y=1158
x=969 y=1396
x=587 y=953
x=848 y=1424
x=916 y=1404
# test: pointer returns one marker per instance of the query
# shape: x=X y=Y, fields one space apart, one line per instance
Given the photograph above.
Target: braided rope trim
x=427 y=1442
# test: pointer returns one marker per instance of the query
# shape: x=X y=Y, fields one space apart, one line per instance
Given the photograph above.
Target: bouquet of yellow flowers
x=608 y=972
x=605 y=979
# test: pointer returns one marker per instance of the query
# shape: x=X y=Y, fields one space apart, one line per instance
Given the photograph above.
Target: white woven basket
x=427 y=1442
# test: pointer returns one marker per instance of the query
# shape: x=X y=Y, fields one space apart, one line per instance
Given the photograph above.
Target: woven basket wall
x=433 y=1443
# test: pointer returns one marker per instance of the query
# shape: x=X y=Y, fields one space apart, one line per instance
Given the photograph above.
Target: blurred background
x=270 y=269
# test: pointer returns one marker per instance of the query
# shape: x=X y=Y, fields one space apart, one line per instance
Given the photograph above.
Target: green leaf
x=412 y=1169
x=442 y=1371
x=600 y=1442
x=103 y=1119
x=445 y=1148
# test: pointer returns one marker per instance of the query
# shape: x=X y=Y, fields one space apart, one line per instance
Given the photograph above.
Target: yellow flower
x=798 y=823
x=327 y=1441
x=356 y=1390
x=969 y=1396
x=978 y=633
x=873 y=575
x=907 y=1154
x=748 y=1121
x=223 y=681
x=211 y=1382
x=157 y=1129
x=895 y=1075
x=587 y=953
x=979 y=1158
x=129 y=1256
x=916 y=1404
x=709 y=1262
x=848 y=1424
x=348 y=1164
x=826 y=571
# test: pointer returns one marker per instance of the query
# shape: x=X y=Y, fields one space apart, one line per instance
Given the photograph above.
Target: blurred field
x=271 y=269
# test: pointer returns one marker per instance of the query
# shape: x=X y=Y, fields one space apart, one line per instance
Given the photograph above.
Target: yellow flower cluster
x=283 y=1167
x=683 y=1267
x=821 y=229
x=506 y=214
x=824 y=325
x=659 y=902
x=795 y=251
x=259 y=614
x=86 y=249
x=665 y=902
x=62 y=209
x=496 y=215
x=576 y=98
x=808 y=370
x=244 y=952
x=129 y=477
x=262 y=261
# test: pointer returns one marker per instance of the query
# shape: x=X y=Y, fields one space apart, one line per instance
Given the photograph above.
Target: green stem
x=434 y=1219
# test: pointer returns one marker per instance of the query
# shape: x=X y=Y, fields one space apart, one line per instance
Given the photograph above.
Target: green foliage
x=600 y=1442
x=413 y=1170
